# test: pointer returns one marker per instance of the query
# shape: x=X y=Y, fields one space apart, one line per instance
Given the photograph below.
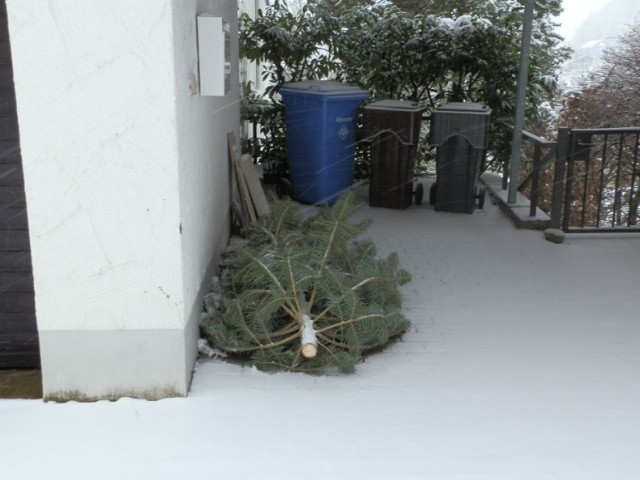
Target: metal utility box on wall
x=214 y=55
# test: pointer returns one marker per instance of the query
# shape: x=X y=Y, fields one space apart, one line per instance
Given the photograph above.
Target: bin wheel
x=419 y=193
x=283 y=188
x=432 y=194
x=481 y=195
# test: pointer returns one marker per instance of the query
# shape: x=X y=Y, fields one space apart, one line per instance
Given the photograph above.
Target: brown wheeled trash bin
x=393 y=129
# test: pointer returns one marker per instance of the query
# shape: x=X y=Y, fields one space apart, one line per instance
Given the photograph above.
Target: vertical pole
x=535 y=181
x=562 y=152
x=255 y=142
x=520 y=101
x=632 y=219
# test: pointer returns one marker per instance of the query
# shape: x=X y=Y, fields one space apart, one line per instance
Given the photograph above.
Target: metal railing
x=539 y=162
x=595 y=182
x=599 y=170
x=587 y=180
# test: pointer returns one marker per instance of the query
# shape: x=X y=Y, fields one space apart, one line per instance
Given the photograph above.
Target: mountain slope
x=600 y=30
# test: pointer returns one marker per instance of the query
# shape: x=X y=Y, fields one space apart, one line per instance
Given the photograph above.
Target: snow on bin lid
x=395 y=105
x=322 y=87
x=456 y=119
x=463 y=107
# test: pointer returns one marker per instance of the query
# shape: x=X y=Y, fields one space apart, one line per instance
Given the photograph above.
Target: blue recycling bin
x=321 y=117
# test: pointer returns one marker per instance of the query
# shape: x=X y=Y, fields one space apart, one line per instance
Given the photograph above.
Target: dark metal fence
x=540 y=162
x=600 y=179
x=587 y=180
x=594 y=184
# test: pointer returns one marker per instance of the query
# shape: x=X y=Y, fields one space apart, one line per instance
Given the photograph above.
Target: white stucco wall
x=127 y=187
x=202 y=127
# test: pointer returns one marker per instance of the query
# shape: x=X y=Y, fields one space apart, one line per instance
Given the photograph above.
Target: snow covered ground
x=523 y=363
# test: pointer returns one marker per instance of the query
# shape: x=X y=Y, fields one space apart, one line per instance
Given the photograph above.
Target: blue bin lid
x=323 y=87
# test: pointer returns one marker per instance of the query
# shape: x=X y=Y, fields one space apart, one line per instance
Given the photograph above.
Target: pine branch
x=351 y=321
x=266 y=269
x=342 y=206
x=346 y=292
x=244 y=325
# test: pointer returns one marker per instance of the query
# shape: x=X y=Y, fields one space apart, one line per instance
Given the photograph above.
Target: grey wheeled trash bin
x=460 y=131
x=392 y=127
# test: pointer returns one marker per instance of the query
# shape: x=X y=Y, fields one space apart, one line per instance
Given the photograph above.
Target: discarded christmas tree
x=306 y=294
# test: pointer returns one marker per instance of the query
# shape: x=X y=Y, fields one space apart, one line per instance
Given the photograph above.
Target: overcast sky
x=575 y=12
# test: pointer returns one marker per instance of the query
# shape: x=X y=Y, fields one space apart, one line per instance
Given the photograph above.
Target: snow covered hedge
x=427 y=52
x=306 y=294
